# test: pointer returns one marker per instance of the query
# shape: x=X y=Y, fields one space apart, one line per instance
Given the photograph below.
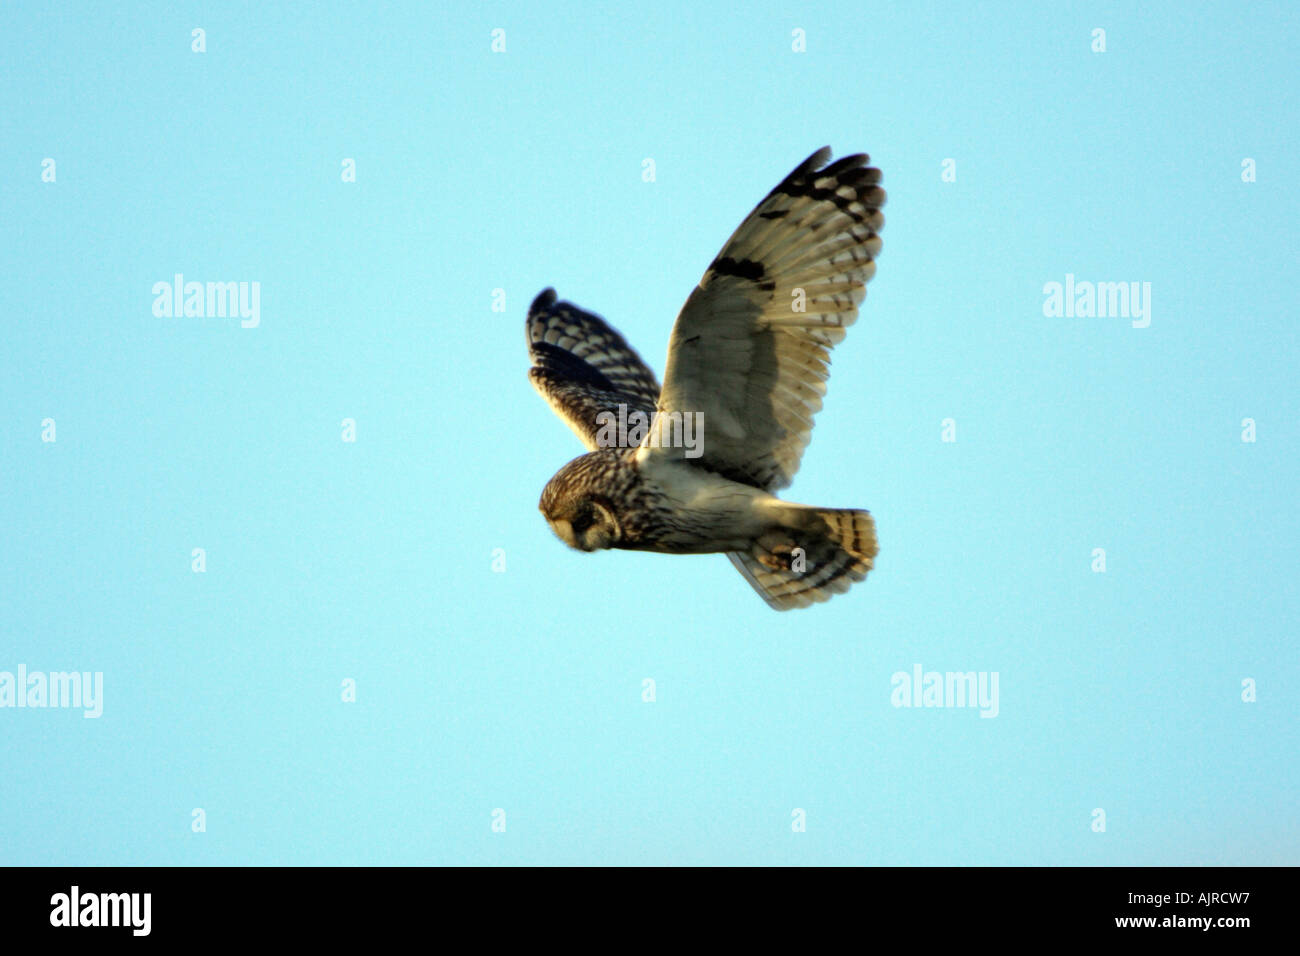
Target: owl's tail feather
x=819 y=552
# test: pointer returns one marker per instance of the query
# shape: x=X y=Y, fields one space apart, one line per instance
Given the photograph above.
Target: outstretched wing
x=582 y=367
x=751 y=347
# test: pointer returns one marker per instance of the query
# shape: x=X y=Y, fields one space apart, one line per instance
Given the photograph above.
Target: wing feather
x=742 y=351
x=583 y=367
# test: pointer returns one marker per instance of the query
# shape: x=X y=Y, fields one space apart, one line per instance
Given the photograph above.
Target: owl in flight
x=689 y=466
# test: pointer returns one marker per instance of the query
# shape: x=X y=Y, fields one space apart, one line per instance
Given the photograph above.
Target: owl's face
x=584 y=523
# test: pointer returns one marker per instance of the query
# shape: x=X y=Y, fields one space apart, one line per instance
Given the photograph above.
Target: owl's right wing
x=582 y=367
x=751 y=348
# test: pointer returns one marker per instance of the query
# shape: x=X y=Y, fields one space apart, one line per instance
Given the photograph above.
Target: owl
x=689 y=466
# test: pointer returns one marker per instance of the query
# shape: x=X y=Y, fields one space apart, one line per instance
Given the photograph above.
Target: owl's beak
x=564 y=531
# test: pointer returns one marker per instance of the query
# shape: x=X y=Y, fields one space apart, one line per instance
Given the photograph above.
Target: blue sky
x=372 y=561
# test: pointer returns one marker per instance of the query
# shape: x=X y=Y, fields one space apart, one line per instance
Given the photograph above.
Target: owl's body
x=748 y=361
x=664 y=505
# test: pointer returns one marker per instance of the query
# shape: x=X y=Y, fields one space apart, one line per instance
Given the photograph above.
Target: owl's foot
x=776 y=554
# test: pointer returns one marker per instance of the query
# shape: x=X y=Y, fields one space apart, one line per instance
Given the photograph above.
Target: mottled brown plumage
x=747 y=364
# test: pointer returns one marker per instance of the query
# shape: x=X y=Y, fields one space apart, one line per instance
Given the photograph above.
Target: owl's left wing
x=751 y=348
x=582 y=367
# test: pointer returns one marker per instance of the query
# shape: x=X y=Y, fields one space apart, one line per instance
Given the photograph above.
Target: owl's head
x=586 y=524
x=577 y=506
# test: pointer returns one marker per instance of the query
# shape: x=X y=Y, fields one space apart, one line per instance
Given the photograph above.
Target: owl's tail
x=817 y=553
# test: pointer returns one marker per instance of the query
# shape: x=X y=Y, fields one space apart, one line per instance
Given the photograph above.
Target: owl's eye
x=584 y=519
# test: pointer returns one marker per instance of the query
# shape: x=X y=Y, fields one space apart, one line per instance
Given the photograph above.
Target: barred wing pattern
x=741 y=352
x=834 y=563
x=583 y=367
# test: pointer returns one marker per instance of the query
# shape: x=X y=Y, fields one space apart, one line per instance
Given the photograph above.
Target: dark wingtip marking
x=816 y=161
x=743 y=268
x=545 y=299
x=552 y=360
x=845 y=164
x=851 y=171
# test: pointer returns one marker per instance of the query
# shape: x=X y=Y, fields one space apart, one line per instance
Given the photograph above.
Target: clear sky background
x=522 y=690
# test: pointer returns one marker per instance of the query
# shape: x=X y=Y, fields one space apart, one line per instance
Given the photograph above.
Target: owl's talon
x=778 y=557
